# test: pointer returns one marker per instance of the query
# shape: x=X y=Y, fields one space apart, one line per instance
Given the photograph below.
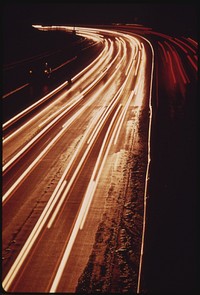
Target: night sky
x=181 y=18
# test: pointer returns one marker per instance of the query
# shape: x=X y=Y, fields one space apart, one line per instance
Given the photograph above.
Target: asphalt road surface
x=57 y=151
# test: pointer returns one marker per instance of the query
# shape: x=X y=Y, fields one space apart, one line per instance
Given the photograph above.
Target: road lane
x=113 y=98
x=52 y=122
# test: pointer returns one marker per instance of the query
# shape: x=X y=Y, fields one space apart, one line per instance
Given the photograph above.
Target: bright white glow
x=97 y=120
x=67 y=107
x=88 y=88
x=53 y=93
x=36 y=103
x=62 y=184
x=147 y=170
x=88 y=197
x=32 y=141
x=90 y=142
x=122 y=116
x=79 y=218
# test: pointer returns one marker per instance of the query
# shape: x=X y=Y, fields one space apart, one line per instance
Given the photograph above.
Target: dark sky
x=167 y=17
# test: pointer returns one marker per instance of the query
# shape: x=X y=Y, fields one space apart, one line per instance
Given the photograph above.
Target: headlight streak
x=92 y=64
x=8 y=123
x=38 y=227
x=59 y=88
x=88 y=196
x=147 y=172
x=13 y=187
x=134 y=92
x=84 y=208
x=39 y=135
x=63 y=182
x=20 y=179
x=137 y=66
x=25 y=148
x=122 y=116
x=30 y=143
x=90 y=141
x=46 y=97
x=97 y=120
x=37 y=159
x=66 y=107
x=134 y=45
x=85 y=78
x=93 y=37
x=125 y=50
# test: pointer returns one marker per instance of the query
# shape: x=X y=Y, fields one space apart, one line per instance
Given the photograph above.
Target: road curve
x=56 y=151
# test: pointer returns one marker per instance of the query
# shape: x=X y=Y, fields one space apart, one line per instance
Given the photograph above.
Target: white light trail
x=39 y=135
x=59 y=88
x=90 y=141
x=63 y=185
x=147 y=171
x=80 y=217
x=35 y=104
x=87 y=201
x=122 y=116
x=137 y=66
x=31 y=142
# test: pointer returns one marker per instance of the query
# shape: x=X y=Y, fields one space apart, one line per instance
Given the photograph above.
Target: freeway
x=54 y=153
x=67 y=174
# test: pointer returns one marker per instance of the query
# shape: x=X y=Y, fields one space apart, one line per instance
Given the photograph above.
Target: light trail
x=81 y=216
x=97 y=129
x=171 y=67
x=86 y=76
x=37 y=159
x=194 y=65
x=39 y=135
x=27 y=171
x=8 y=123
x=16 y=90
x=184 y=44
x=42 y=220
x=193 y=42
x=38 y=227
x=64 y=64
x=90 y=140
x=87 y=199
x=137 y=66
x=180 y=67
x=164 y=51
x=63 y=185
x=122 y=116
x=55 y=91
x=31 y=142
x=25 y=85
x=147 y=173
